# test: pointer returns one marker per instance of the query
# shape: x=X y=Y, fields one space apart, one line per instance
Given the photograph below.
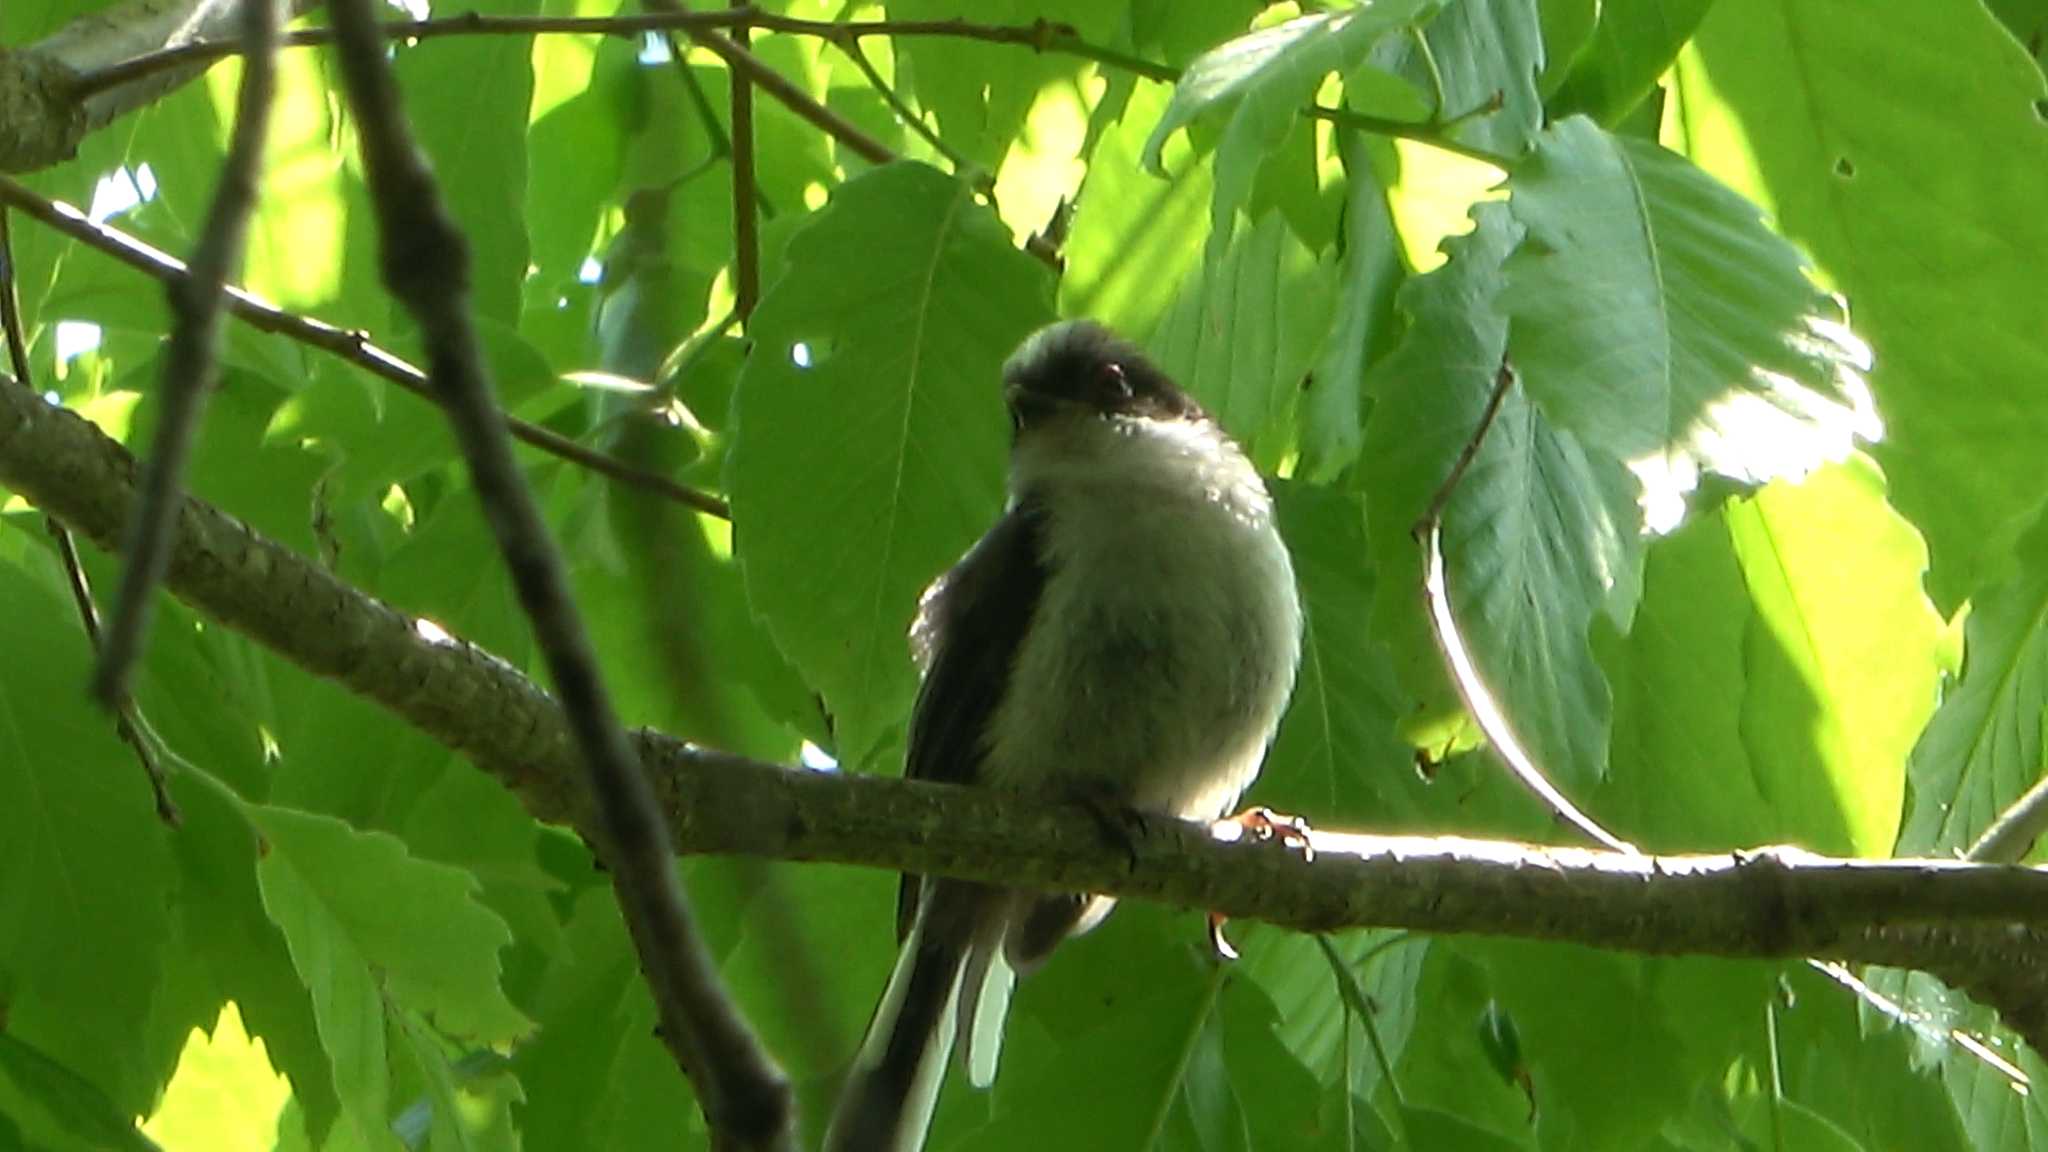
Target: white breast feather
x=1165 y=643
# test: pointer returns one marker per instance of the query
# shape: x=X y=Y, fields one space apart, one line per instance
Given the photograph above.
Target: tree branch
x=191 y=363
x=354 y=347
x=127 y=722
x=1982 y=927
x=1039 y=36
x=2014 y=832
x=745 y=1097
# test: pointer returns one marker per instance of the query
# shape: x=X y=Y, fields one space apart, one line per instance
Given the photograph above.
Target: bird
x=1126 y=635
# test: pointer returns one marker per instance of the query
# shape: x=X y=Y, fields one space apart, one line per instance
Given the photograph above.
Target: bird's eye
x=1113 y=384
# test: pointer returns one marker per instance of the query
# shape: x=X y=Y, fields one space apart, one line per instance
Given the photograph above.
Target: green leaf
x=1843 y=662
x=1934 y=234
x=1538 y=536
x=1138 y=989
x=1130 y=250
x=1654 y=316
x=1319 y=1021
x=859 y=478
x=1683 y=779
x=595 y=1075
x=1567 y=30
x=1984 y=747
x=1484 y=50
x=61 y=1108
x=980 y=94
x=1615 y=1044
x=1336 y=754
x=1443 y=1066
x=1631 y=47
x=1866 y=1083
x=467 y=98
x=374 y=931
x=1364 y=326
x=1265 y=78
x=86 y=876
x=1244 y=334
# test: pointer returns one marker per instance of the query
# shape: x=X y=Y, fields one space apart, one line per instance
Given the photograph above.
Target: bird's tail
x=889 y=1096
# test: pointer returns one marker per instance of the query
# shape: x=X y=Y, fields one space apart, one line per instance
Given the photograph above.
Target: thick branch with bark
x=44 y=114
x=1981 y=927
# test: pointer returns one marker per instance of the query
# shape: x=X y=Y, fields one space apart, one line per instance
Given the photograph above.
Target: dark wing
x=970 y=626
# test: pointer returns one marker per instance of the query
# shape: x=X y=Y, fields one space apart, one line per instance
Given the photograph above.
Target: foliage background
x=406 y=958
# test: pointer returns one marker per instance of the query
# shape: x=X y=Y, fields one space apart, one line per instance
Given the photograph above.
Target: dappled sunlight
x=224 y=1096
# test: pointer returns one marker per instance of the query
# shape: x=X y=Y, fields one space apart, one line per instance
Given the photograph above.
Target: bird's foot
x=1260 y=823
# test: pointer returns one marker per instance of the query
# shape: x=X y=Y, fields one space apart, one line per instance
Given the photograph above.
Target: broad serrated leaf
x=434 y=951
x=1265 y=78
x=859 y=477
x=373 y=931
x=85 y=868
x=1935 y=235
x=1655 y=317
x=1243 y=335
x=1538 y=536
x=1984 y=745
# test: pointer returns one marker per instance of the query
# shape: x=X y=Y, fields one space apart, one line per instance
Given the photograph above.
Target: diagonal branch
x=1983 y=928
x=746 y=1098
x=191 y=356
x=354 y=347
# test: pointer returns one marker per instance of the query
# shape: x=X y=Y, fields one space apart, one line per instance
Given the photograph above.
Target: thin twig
x=745 y=1097
x=128 y=723
x=1428 y=132
x=1479 y=700
x=2015 y=830
x=1039 y=36
x=354 y=347
x=975 y=175
x=191 y=357
x=1503 y=382
x=746 y=237
x=125 y=724
x=746 y=66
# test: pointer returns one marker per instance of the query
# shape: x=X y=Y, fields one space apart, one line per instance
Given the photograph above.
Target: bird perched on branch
x=1125 y=635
